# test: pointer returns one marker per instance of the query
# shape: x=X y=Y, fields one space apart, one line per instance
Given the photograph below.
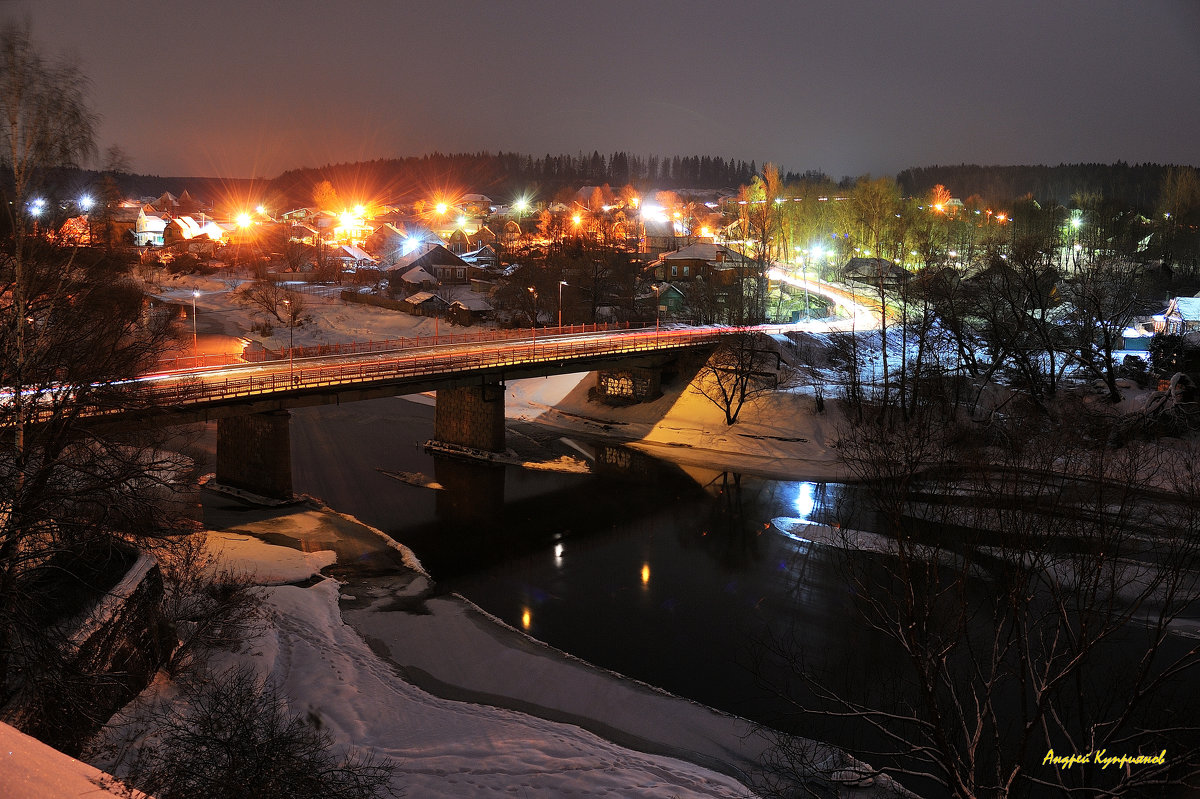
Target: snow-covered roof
x=473 y=302
x=418 y=275
x=1188 y=308
x=701 y=251
x=422 y=297
x=357 y=253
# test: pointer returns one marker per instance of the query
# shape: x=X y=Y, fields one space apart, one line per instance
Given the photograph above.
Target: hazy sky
x=237 y=88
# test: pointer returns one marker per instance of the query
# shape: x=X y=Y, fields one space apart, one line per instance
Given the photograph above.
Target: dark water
x=677 y=577
x=673 y=577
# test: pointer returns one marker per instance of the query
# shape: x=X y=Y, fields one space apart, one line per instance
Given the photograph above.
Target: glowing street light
x=441 y=208
x=244 y=221
x=86 y=202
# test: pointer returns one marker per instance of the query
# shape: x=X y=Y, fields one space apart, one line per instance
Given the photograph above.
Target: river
x=683 y=578
x=674 y=577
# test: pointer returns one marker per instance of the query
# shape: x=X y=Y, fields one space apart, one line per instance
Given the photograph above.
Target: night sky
x=230 y=88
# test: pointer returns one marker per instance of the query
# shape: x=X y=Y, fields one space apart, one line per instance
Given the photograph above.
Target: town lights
x=244 y=221
x=441 y=208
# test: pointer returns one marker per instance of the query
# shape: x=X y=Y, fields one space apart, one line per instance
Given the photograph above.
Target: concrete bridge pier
x=471 y=416
x=254 y=453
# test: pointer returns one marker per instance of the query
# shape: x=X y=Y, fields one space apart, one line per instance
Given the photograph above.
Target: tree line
x=1134 y=185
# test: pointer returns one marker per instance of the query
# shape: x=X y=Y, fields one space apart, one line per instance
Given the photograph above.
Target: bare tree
x=284 y=306
x=69 y=487
x=1028 y=596
x=744 y=366
x=1105 y=299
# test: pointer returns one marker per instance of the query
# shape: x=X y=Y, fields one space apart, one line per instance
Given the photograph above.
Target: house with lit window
x=149 y=229
x=704 y=261
x=436 y=260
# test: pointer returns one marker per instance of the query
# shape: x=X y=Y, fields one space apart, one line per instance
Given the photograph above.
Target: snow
x=31 y=770
x=778 y=435
x=449 y=748
x=267 y=565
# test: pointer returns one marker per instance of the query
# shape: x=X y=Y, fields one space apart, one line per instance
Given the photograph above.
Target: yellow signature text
x=1101 y=758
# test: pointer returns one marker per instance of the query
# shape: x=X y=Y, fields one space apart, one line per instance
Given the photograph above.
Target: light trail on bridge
x=306 y=375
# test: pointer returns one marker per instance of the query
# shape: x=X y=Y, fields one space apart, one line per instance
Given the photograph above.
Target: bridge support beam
x=471 y=416
x=254 y=453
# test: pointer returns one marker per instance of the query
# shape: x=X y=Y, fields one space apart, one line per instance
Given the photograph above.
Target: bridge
x=251 y=402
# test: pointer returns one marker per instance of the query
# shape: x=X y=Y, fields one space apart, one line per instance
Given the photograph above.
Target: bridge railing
x=476 y=337
x=205 y=389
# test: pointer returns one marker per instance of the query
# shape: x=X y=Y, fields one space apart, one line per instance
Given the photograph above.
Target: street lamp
x=657 y=310
x=533 y=321
x=195 y=337
x=291 y=349
x=561 y=283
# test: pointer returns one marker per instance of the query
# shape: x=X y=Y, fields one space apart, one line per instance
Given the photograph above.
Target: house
x=149 y=228
x=351 y=257
x=436 y=260
x=468 y=308
x=875 y=272
x=387 y=240
x=482 y=238
x=660 y=300
x=186 y=228
x=484 y=258
x=459 y=241
x=660 y=235
x=304 y=235
x=477 y=205
x=414 y=279
x=425 y=303
x=704 y=261
x=1181 y=317
x=519 y=233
